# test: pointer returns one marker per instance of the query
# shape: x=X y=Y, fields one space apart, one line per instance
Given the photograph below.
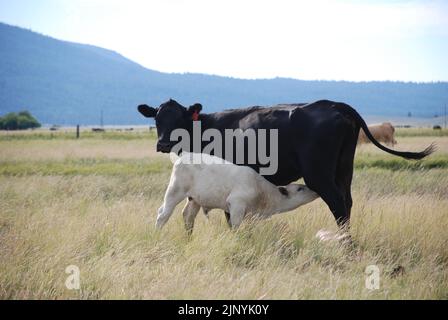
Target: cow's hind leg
x=329 y=171
x=344 y=171
x=332 y=195
x=337 y=195
x=344 y=175
x=321 y=178
x=189 y=213
x=335 y=200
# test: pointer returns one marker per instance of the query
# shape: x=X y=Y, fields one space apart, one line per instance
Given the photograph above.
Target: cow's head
x=170 y=116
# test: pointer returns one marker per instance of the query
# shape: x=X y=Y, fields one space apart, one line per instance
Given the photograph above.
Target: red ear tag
x=195 y=116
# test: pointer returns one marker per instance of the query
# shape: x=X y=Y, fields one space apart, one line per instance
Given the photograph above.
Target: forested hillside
x=67 y=83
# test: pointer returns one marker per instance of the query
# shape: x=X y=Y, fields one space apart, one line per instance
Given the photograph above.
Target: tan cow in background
x=382 y=132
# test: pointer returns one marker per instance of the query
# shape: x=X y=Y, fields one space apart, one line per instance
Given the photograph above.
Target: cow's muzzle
x=163 y=147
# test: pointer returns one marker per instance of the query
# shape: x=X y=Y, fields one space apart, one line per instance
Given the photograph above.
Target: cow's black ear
x=283 y=191
x=196 y=108
x=147 y=111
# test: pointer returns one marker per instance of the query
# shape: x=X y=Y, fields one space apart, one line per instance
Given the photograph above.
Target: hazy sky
x=334 y=40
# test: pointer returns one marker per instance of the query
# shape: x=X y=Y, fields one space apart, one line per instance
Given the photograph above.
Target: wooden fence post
x=77 y=131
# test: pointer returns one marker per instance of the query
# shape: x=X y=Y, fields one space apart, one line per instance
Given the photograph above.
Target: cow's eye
x=299 y=188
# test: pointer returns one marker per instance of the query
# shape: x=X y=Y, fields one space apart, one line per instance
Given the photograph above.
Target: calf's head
x=295 y=195
x=170 y=116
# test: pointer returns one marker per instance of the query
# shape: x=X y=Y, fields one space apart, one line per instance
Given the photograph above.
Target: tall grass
x=104 y=225
x=95 y=208
x=98 y=166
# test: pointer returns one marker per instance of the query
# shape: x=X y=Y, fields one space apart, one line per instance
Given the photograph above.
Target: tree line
x=18 y=121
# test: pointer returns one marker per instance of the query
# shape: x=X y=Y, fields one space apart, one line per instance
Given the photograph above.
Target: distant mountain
x=68 y=83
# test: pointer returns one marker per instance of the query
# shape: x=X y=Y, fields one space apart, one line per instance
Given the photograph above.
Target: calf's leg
x=190 y=211
x=237 y=210
x=227 y=214
x=173 y=196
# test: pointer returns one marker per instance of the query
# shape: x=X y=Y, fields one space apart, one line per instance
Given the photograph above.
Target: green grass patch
x=70 y=167
x=395 y=163
x=420 y=132
x=112 y=167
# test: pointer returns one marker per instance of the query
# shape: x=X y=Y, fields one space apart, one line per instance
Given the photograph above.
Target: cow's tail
x=346 y=109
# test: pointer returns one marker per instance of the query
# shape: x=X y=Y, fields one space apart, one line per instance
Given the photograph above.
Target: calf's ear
x=147 y=111
x=283 y=191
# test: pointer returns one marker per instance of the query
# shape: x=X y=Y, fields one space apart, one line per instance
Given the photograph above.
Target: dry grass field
x=92 y=203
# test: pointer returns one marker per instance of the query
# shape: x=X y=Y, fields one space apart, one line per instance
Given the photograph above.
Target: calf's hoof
x=159 y=224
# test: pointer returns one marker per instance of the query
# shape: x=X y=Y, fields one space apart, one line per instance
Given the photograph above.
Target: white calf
x=212 y=183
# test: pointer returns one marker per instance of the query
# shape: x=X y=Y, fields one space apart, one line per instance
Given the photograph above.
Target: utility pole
x=445 y=117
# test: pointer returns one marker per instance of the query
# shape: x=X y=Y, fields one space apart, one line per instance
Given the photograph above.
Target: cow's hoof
x=327 y=236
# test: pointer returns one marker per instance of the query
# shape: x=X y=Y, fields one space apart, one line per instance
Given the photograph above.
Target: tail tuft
x=416 y=155
x=431 y=149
